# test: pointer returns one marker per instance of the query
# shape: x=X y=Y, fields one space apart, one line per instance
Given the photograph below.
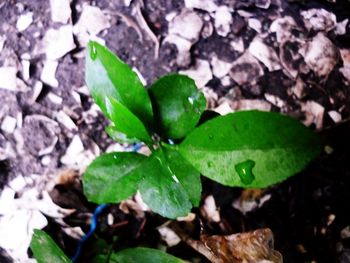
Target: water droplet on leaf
x=245 y=171
x=93 y=52
x=190 y=99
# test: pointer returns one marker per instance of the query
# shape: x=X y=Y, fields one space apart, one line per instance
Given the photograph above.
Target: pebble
x=205 y=5
x=321 y=55
x=319 y=19
x=58 y=42
x=246 y=70
x=220 y=67
x=48 y=75
x=24 y=21
x=54 y=98
x=85 y=24
x=60 y=11
x=223 y=21
x=265 y=54
x=188 y=25
x=8 y=79
x=8 y=124
x=201 y=73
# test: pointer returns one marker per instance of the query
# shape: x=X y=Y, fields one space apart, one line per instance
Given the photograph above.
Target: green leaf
x=178 y=105
x=186 y=174
x=107 y=76
x=161 y=190
x=112 y=177
x=143 y=255
x=118 y=136
x=126 y=122
x=250 y=148
x=45 y=249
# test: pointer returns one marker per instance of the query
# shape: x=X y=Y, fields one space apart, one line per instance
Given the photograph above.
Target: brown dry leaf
x=249 y=247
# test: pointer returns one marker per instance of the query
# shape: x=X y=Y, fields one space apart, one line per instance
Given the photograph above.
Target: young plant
x=46 y=250
x=249 y=149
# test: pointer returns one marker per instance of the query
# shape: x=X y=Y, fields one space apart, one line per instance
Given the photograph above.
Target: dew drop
x=93 y=52
x=245 y=171
x=210 y=164
x=190 y=99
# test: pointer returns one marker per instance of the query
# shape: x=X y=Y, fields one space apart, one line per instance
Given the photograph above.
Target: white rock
x=8 y=79
x=58 y=42
x=48 y=75
x=246 y=104
x=264 y=4
x=46 y=160
x=24 y=21
x=183 y=47
x=345 y=71
x=319 y=19
x=127 y=2
x=313 y=113
x=265 y=54
x=336 y=116
x=8 y=124
x=255 y=24
x=209 y=210
x=223 y=21
x=2 y=41
x=278 y=102
x=60 y=11
x=18 y=183
x=168 y=236
x=92 y=21
x=321 y=55
x=237 y=44
x=64 y=119
x=75 y=147
x=38 y=86
x=220 y=67
x=201 y=73
x=73 y=151
x=340 y=28
x=54 y=98
x=206 y=5
x=283 y=27
x=246 y=70
x=345 y=56
x=187 y=25
x=25 y=69
x=224 y=108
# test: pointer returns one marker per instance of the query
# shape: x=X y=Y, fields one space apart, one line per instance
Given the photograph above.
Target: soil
x=308 y=213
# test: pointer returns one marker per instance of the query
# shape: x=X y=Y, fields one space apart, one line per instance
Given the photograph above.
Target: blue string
x=93 y=226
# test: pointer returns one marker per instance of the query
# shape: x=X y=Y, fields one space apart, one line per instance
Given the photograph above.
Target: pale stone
x=24 y=21
x=265 y=54
x=60 y=10
x=48 y=75
x=201 y=73
x=8 y=79
x=8 y=124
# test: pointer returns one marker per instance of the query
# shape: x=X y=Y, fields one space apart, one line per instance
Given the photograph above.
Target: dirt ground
x=290 y=56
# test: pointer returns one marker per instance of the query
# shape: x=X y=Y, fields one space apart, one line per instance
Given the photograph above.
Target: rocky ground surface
x=272 y=55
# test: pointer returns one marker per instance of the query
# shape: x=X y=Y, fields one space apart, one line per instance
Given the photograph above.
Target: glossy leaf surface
x=178 y=105
x=250 y=148
x=126 y=122
x=112 y=177
x=143 y=255
x=161 y=190
x=46 y=250
x=186 y=174
x=107 y=76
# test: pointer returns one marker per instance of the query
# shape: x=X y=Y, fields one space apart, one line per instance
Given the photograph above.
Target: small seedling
x=248 y=149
